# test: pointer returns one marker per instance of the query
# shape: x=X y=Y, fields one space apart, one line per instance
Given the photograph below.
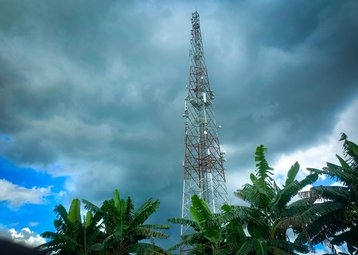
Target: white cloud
x=318 y=155
x=313 y=157
x=234 y=181
x=17 y=195
x=337 y=184
x=306 y=188
x=26 y=236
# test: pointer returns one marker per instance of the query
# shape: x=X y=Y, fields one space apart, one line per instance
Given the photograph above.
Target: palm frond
x=155 y=226
x=243 y=213
x=292 y=173
x=336 y=193
x=149 y=233
x=319 y=209
x=350 y=152
x=263 y=169
x=234 y=234
x=288 y=192
x=49 y=235
x=245 y=248
x=185 y=222
x=90 y=206
x=147 y=248
x=128 y=213
x=74 y=214
x=143 y=213
x=260 y=246
x=321 y=226
x=61 y=213
x=200 y=210
x=350 y=237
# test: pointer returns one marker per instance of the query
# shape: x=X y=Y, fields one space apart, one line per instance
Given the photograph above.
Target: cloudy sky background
x=92 y=96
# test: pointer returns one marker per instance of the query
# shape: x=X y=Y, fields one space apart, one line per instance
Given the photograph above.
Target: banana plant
x=270 y=213
x=208 y=230
x=124 y=228
x=336 y=218
x=73 y=235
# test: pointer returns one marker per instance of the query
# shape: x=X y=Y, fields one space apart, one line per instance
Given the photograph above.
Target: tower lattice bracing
x=204 y=173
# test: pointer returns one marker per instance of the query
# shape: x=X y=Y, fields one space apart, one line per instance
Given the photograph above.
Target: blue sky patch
x=38 y=217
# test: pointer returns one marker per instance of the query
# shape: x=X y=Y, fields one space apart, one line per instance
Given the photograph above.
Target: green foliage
x=74 y=214
x=270 y=214
x=208 y=236
x=259 y=228
x=263 y=170
x=72 y=236
x=262 y=189
x=113 y=228
x=124 y=227
x=337 y=217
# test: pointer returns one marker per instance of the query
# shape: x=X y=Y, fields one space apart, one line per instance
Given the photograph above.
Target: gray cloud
x=99 y=88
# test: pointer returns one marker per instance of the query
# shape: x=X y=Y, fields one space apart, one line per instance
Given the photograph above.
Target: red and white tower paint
x=204 y=173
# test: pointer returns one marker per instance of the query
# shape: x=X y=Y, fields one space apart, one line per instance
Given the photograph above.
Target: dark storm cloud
x=96 y=91
x=297 y=70
x=98 y=88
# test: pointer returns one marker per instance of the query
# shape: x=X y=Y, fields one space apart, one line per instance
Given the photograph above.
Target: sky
x=92 y=96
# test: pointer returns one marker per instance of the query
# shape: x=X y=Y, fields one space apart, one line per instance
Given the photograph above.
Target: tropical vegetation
x=113 y=228
x=259 y=228
x=337 y=221
x=208 y=231
x=274 y=218
x=74 y=235
x=270 y=214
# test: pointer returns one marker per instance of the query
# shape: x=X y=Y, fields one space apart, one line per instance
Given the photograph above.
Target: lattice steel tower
x=204 y=173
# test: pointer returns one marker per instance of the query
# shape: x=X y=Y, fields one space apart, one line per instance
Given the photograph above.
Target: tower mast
x=204 y=173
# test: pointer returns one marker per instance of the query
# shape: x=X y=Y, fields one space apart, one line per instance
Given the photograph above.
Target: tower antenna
x=204 y=173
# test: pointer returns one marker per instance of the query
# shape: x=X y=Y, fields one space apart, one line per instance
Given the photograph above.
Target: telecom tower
x=204 y=173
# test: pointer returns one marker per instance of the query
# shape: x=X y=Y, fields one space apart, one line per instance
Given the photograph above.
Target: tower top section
x=199 y=80
x=196 y=50
x=195 y=20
